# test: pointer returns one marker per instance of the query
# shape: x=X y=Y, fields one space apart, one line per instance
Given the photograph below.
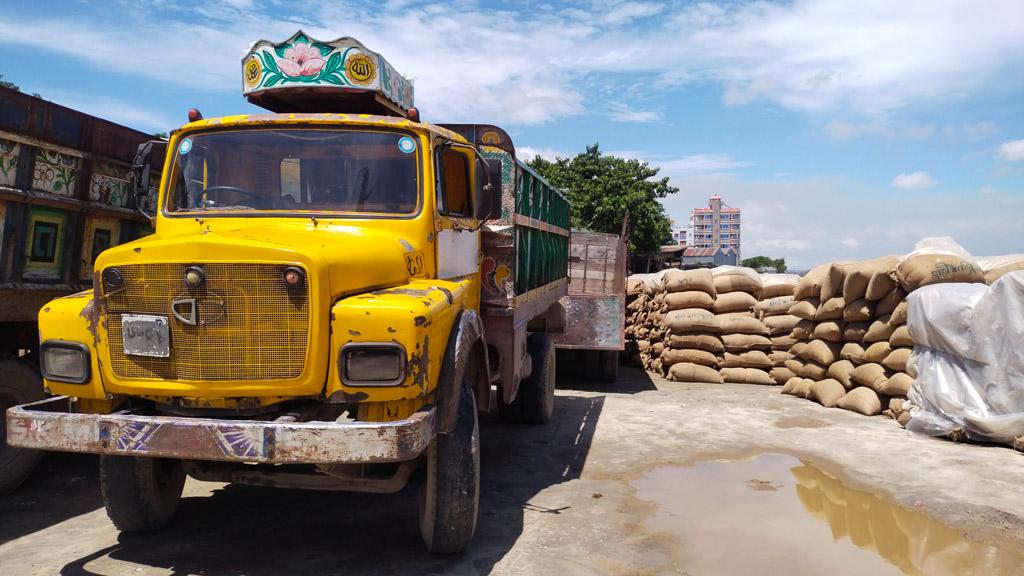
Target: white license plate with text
x=145 y=335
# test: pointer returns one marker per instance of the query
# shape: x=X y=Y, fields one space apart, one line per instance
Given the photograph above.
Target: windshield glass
x=298 y=170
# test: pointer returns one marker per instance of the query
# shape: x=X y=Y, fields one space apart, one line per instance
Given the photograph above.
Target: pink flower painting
x=301 y=60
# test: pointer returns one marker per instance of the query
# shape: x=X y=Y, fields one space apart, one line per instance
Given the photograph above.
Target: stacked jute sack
x=692 y=346
x=745 y=338
x=644 y=331
x=773 y=311
x=853 y=346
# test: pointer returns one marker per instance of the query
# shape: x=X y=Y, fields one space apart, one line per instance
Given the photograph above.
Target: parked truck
x=64 y=198
x=331 y=292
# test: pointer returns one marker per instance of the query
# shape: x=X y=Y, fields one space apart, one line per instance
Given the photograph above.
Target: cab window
x=453 y=190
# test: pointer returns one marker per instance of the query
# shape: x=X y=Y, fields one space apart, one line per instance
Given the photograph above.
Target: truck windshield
x=298 y=171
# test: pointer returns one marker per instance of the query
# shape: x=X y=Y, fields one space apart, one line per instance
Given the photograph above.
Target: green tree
x=602 y=188
x=7 y=84
x=758 y=262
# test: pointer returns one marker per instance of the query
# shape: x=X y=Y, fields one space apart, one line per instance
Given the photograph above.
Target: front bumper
x=50 y=425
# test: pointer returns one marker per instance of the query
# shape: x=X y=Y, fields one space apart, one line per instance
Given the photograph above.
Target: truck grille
x=260 y=333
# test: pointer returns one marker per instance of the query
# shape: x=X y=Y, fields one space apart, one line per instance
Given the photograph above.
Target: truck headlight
x=372 y=364
x=65 y=361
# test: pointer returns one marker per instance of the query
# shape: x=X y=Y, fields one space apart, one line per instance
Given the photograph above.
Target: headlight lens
x=65 y=362
x=372 y=364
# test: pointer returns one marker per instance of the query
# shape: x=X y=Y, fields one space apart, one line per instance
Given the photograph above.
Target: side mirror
x=487 y=192
x=142 y=167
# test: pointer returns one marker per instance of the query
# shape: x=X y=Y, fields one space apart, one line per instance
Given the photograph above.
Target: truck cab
x=331 y=292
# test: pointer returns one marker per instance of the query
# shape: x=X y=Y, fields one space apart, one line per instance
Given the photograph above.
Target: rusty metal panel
x=49 y=425
x=593 y=322
x=596 y=263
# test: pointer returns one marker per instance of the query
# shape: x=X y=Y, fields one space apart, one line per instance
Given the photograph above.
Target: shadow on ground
x=62 y=487
x=574 y=376
x=251 y=530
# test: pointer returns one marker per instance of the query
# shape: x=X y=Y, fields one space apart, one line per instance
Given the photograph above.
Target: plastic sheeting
x=969 y=357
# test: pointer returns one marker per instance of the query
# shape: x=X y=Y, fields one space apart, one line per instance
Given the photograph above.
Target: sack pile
x=744 y=336
x=773 y=311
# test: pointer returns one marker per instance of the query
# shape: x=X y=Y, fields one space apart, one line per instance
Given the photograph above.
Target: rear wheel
x=19 y=384
x=538 y=390
x=450 y=494
x=141 y=494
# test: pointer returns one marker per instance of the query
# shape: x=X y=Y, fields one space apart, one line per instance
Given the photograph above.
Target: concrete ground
x=560 y=499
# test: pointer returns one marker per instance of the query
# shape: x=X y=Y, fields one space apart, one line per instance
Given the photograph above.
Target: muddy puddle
x=774 y=514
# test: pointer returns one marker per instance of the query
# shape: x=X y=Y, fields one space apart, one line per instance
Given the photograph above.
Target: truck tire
x=19 y=384
x=609 y=366
x=141 y=494
x=450 y=494
x=538 y=390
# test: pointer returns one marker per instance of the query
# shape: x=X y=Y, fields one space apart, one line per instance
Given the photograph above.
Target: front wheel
x=450 y=495
x=141 y=494
x=19 y=384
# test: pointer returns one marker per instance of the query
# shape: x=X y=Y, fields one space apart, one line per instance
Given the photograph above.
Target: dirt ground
x=561 y=499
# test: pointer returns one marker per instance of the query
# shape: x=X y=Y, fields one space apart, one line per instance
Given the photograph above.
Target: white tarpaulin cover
x=969 y=356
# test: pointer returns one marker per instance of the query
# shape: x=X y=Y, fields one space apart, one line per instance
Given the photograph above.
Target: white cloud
x=622 y=113
x=843 y=130
x=527 y=153
x=1012 y=151
x=913 y=181
x=519 y=66
x=850 y=242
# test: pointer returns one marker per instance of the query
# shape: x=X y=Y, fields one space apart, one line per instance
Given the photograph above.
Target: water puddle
x=774 y=514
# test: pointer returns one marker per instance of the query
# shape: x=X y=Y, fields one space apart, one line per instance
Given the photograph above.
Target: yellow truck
x=331 y=292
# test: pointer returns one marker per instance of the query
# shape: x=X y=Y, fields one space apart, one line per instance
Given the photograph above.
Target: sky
x=843 y=130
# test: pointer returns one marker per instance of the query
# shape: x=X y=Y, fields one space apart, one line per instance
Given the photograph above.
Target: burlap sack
x=746 y=376
x=897 y=385
x=897 y=359
x=783 y=342
x=709 y=342
x=787 y=388
x=858 y=276
x=995 y=266
x=888 y=303
x=879 y=330
x=774 y=306
x=737 y=279
x=883 y=278
x=795 y=365
x=738 y=323
x=773 y=285
x=781 y=374
x=690 y=320
x=877 y=352
x=683 y=280
x=862 y=400
x=688 y=299
x=657 y=348
x=871 y=375
x=853 y=352
x=798 y=386
x=687 y=372
x=805 y=309
x=814 y=371
x=797 y=349
x=821 y=352
x=859 y=311
x=779 y=325
x=804 y=330
x=899 y=315
x=779 y=357
x=841 y=370
x=935 y=261
x=744 y=342
x=672 y=356
x=830 y=330
x=832 y=283
x=634 y=284
x=636 y=304
x=831 y=309
x=855 y=331
x=749 y=359
x=827 y=392
x=901 y=338
x=733 y=302
x=810 y=283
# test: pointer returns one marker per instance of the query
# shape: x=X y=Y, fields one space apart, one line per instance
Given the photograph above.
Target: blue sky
x=842 y=129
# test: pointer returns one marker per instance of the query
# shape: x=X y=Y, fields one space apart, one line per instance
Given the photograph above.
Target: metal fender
x=465 y=341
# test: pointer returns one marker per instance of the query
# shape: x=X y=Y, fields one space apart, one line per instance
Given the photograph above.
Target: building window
x=44 y=242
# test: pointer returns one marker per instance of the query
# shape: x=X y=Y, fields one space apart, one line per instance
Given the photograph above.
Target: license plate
x=145 y=335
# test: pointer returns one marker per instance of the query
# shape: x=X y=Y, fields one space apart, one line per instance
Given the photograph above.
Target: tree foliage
x=7 y=84
x=602 y=188
x=759 y=262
